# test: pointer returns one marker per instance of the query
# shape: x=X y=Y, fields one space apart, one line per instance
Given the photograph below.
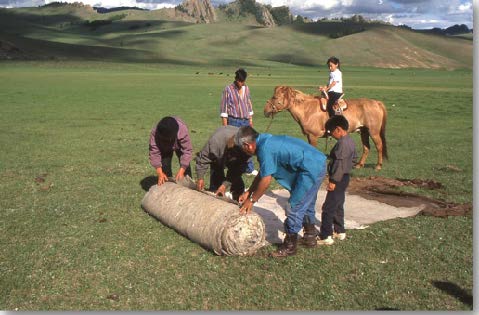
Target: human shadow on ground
x=283 y=202
x=454 y=290
x=273 y=225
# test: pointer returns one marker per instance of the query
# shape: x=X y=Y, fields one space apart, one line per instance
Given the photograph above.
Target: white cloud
x=390 y=19
x=419 y=12
x=155 y=6
x=327 y=4
x=308 y=4
x=465 y=7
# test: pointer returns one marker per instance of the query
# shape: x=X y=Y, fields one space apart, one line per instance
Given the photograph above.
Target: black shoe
x=288 y=248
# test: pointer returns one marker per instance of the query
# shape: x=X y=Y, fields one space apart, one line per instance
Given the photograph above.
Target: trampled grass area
x=74 y=139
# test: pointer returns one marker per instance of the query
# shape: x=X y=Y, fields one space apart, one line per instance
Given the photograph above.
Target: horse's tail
x=382 y=132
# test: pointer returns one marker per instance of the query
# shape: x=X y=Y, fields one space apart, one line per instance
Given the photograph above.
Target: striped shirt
x=235 y=104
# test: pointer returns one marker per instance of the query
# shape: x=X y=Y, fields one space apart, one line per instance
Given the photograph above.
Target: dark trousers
x=217 y=177
x=333 y=209
x=240 y=122
x=333 y=97
x=166 y=165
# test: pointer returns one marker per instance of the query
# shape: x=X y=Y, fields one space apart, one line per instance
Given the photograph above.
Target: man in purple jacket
x=168 y=136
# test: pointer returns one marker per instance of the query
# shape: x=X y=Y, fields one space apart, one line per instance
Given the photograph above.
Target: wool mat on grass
x=271 y=208
x=359 y=212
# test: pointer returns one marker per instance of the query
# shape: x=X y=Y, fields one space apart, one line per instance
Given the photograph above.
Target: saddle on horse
x=339 y=106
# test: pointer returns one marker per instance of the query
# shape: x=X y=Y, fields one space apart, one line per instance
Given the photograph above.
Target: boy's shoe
x=339 y=236
x=327 y=241
x=253 y=173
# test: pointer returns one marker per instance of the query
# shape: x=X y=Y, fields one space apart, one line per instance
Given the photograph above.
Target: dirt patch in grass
x=388 y=191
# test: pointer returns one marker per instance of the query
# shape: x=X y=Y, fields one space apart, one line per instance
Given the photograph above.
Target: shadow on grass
x=272 y=221
x=387 y=309
x=454 y=290
x=368 y=165
x=148 y=181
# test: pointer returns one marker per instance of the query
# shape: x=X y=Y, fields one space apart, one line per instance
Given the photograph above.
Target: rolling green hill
x=77 y=32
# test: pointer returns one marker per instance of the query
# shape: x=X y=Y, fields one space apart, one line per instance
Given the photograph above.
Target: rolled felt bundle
x=211 y=222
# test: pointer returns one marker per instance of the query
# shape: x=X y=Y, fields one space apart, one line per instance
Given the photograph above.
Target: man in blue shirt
x=298 y=167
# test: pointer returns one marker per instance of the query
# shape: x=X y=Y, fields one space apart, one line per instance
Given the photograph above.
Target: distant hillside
x=240 y=33
x=108 y=10
x=452 y=30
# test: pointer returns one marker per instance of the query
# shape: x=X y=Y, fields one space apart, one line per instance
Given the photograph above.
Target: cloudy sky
x=419 y=14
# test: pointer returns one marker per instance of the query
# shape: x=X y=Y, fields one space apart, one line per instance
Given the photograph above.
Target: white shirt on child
x=337 y=77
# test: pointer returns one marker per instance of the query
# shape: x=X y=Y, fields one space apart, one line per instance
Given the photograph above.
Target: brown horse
x=368 y=116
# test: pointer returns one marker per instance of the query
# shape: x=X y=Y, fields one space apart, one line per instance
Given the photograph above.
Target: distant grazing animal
x=368 y=116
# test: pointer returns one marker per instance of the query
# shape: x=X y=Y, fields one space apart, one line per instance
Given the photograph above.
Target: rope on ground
x=211 y=222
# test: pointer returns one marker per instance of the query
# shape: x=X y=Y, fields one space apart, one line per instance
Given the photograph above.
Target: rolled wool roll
x=206 y=220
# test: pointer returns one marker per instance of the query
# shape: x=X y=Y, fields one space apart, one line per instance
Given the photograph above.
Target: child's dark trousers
x=333 y=209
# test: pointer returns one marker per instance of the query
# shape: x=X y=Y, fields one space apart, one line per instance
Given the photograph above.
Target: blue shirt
x=295 y=164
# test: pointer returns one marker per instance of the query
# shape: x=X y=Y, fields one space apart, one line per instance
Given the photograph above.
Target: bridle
x=274 y=110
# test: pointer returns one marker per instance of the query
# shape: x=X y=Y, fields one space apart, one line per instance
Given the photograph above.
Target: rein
x=270 y=123
x=273 y=112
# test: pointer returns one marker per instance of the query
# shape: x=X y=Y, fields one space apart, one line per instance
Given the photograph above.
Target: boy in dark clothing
x=343 y=156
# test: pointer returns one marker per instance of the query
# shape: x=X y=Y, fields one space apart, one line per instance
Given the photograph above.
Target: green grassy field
x=79 y=240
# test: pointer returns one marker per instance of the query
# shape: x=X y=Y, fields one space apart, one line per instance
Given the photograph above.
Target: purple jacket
x=182 y=147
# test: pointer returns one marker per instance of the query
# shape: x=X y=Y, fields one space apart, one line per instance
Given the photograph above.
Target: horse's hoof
x=359 y=166
x=378 y=167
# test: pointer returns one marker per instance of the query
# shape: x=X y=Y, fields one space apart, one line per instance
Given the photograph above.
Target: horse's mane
x=300 y=95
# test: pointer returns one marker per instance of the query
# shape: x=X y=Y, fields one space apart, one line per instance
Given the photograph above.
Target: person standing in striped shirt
x=236 y=108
